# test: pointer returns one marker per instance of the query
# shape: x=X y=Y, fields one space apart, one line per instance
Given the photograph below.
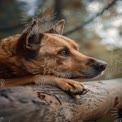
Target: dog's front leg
x=18 y=81
x=67 y=85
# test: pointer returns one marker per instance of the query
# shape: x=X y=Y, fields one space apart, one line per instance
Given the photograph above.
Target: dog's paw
x=73 y=87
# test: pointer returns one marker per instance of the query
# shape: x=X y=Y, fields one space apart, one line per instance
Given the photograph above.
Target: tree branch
x=49 y=104
x=91 y=19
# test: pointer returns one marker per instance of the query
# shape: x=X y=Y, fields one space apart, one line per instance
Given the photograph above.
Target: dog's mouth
x=86 y=76
x=80 y=76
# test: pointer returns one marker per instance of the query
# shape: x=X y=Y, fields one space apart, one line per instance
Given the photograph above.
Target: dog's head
x=50 y=53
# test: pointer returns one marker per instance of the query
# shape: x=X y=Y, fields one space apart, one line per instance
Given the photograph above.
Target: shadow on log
x=49 y=104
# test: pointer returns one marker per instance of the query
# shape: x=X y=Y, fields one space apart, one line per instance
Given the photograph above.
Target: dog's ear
x=33 y=41
x=29 y=42
x=57 y=28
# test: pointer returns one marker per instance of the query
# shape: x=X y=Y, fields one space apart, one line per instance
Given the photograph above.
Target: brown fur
x=44 y=57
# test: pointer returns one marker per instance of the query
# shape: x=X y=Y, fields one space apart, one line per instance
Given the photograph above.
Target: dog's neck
x=11 y=65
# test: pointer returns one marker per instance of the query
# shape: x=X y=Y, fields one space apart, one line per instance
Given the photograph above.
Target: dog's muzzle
x=99 y=66
x=95 y=69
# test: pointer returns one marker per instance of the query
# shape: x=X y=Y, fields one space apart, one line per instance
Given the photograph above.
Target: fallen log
x=45 y=103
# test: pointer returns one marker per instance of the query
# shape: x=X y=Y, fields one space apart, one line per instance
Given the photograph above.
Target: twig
x=91 y=19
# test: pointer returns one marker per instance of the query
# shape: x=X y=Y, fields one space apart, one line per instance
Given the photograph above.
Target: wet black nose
x=100 y=65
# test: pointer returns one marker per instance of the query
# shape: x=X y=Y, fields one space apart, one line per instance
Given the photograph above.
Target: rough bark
x=49 y=104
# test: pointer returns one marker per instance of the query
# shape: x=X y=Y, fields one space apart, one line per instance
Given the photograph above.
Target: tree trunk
x=45 y=103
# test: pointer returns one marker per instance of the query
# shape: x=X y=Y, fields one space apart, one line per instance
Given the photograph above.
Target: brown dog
x=35 y=57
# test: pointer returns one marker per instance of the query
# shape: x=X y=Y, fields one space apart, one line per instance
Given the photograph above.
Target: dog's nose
x=100 y=65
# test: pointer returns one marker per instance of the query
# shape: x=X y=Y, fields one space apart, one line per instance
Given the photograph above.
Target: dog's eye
x=64 y=52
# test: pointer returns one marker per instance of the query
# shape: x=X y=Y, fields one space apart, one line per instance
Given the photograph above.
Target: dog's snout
x=100 y=65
